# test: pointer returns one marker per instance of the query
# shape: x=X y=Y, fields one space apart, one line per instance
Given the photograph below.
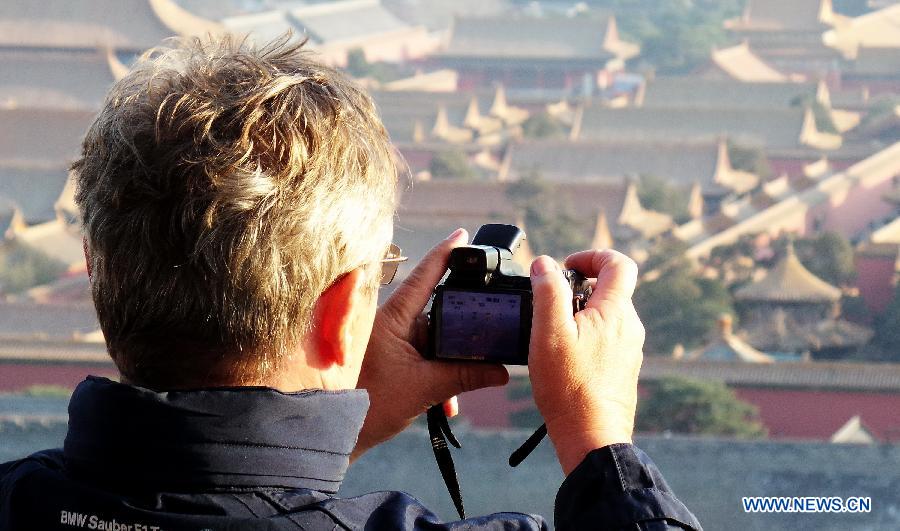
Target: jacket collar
x=222 y=437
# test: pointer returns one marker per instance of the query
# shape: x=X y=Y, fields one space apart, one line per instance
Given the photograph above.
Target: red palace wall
x=812 y=414
x=786 y=413
x=18 y=376
x=852 y=213
x=875 y=280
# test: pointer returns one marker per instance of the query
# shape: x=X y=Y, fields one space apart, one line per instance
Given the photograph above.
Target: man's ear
x=335 y=312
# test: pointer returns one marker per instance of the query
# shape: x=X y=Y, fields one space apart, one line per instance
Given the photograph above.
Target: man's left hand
x=401 y=383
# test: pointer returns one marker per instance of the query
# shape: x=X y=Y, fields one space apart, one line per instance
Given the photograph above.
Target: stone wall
x=709 y=475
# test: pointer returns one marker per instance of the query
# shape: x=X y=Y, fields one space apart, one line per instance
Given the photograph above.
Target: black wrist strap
x=528 y=446
x=439 y=432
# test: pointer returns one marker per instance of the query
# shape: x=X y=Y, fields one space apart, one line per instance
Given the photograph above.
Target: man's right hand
x=584 y=368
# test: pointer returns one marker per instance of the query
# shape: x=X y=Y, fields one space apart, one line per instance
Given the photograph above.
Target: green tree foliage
x=747 y=158
x=665 y=254
x=451 y=164
x=829 y=256
x=542 y=125
x=658 y=194
x=675 y=36
x=358 y=66
x=682 y=405
x=550 y=221
x=23 y=267
x=887 y=330
x=680 y=307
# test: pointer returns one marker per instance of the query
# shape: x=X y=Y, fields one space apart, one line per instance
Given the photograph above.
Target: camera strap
x=439 y=432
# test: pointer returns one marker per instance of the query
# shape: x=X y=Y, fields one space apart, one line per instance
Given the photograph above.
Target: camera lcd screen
x=480 y=325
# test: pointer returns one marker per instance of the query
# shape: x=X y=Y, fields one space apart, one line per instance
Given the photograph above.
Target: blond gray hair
x=223 y=188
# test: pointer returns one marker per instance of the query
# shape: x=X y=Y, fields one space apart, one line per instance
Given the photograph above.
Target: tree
x=887 y=329
x=357 y=64
x=683 y=405
x=680 y=307
x=542 y=125
x=751 y=159
x=829 y=256
x=658 y=194
x=675 y=35
x=23 y=267
x=552 y=227
x=360 y=67
x=451 y=164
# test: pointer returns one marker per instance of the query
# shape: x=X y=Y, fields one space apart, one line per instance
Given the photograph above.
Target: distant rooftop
x=789 y=281
x=55 y=78
x=132 y=25
x=346 y=20
x=550 y=38
x=742 y=64
x=27 y=321
x=773 y=129
x=774 y=15
x=679 y=92
x=816 y=375
x=676 y=161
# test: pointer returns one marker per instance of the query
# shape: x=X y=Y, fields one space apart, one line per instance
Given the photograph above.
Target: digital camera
x=482 y=311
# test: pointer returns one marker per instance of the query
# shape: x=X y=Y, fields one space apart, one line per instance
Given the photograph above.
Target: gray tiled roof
x=693 y=92
x=438 y=14
x=54 y=350
x=24 y=320
x=33 y=189
x=42 y=135
x=339 y=21
x=400 y=110
x=47 y=79
x=122 y=24
x=480 y=201
x=848 y=376
x=769 y=128
x=529 y=37
x=785 y=14
x=789 y=281
x=683 y=163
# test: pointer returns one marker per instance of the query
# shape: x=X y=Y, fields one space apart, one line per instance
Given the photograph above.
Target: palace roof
x=789 y=281
x=31 y=321
x=437 y=15
x=817 y=375
x=740 y=63
x=878 y=29
x=132 y=25
x=550 y=38
x=779 y=331
x=775 y=15
x=776 y=128
x=681 y=163
x=691 y=92
x=67 y=79
x=876 y=169
x=34 y=190
x=726 y=346
x=343 y=21
x=43 y=135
